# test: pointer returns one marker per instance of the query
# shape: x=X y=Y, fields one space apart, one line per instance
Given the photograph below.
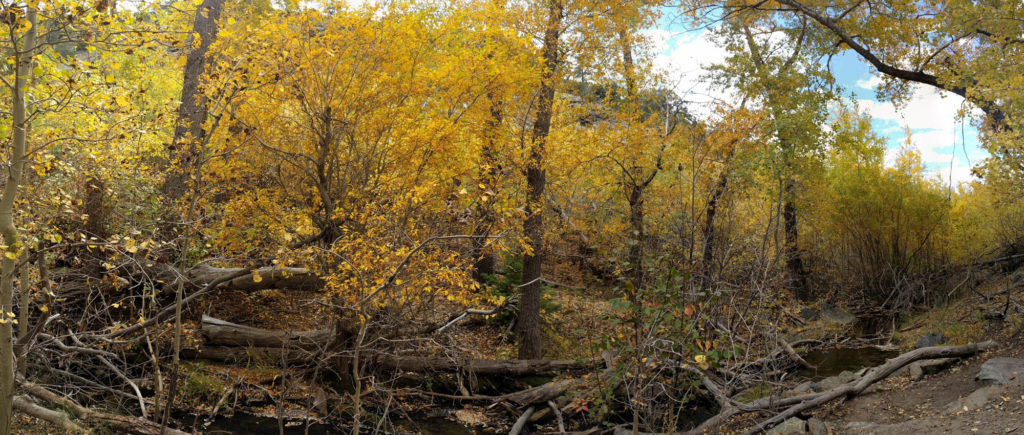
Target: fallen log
x=230 y=342
x=543 y=393
x=531 y=396
x=224 y=333
x=26 y=406
x=91 y=418
x=281 y=278
x=246 y=355
x=486 y=367
x=794 y=405
x=303 y=356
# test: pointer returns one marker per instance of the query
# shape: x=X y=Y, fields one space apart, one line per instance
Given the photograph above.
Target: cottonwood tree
x=530 y=344
x=770 y=65
x=571 y=35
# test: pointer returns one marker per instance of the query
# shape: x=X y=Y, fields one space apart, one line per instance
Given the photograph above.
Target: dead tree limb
x=796 y=404
x=792 y=353
x=543 y=393
x=558 y=416
x=455 y=319
x=270 y=277
x=92 y=418
x=25 y=405
x=167 y=312
x=876 y=374
x=224 y=333
x=521 y=423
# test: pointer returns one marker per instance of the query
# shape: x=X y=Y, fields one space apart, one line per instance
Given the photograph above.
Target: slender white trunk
x=23 y=59
x=23 y=314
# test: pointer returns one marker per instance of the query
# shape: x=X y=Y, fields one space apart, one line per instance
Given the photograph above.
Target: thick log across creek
x=232 y=343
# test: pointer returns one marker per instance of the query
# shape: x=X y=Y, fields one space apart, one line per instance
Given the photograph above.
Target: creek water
x=241 y=423
x=831 y=362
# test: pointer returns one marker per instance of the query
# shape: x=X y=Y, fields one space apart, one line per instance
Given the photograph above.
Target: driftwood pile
x=231 y=342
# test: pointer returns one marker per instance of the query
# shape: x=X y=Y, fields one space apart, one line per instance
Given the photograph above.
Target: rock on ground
x=1002 y=371
x=792 y=426
x=919 y=369
x=973 y=401
x=834 y=314
x=929 y=340
x=834 y=381
x=809 y=314
x=818 y=427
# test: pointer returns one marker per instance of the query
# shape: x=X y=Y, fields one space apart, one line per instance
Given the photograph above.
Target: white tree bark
x=19 y=108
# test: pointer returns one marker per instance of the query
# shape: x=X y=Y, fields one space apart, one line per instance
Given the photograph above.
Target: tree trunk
x=95 y=207
x=709 y=226
x=796 y=276
x=23 y=312
x=189 y=133
x=530 y=346
x=636 y=239
x=23 y=60
x=484 y=259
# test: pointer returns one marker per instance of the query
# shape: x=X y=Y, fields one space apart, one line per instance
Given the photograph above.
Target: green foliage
x=505 y=285
x=200 y=386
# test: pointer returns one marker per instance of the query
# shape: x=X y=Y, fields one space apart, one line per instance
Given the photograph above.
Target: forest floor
x=932 y=405
x=580 y=323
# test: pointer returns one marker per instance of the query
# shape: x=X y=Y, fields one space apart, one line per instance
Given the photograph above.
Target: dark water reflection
x=241 y=423
x=438 y=426
x=831 y=362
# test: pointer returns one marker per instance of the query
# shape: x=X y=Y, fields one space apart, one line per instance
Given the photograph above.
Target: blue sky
x=929 y=115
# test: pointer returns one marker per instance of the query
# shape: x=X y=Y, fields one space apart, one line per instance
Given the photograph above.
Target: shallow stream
x=831 y=362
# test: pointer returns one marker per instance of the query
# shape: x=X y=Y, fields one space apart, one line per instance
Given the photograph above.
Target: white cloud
x=684 y=58
x=927 y=108
x=961 y=173
x=870 y=83
x=931 y=117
